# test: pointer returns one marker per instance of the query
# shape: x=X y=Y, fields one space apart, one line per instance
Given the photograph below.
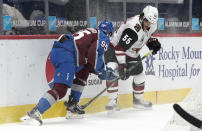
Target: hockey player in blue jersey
x=75 y=55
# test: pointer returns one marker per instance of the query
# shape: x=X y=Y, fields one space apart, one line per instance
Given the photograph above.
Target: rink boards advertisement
x=26 y=71
x=177 y=64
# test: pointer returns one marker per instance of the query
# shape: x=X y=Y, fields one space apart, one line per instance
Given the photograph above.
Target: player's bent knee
x=58 y=91
x=138 y=79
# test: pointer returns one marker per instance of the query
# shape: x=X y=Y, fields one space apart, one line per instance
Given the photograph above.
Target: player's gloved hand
x=154 y=45
x=107 y=74
x=123 y=72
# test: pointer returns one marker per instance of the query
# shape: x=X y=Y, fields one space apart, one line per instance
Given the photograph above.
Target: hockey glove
x=123 y=73
x=154 y=45
x=107 y=74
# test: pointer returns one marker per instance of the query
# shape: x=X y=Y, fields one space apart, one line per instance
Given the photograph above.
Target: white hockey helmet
x=151 y=14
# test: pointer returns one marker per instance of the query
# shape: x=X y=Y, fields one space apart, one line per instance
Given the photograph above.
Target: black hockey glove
x=123 y=73
x=154 y=45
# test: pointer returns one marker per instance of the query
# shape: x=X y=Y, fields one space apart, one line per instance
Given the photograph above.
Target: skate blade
x=30 y=121
x=74 y=116
x=140 y=107
x=111 y=112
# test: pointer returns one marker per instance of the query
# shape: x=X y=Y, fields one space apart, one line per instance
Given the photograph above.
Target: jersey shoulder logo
x=128 y=38
x=137 y=27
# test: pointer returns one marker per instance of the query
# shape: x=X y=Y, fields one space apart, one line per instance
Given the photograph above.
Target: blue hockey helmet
x=106 y=27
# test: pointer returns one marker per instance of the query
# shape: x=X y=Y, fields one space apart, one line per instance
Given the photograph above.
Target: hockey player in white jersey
x=123 y=53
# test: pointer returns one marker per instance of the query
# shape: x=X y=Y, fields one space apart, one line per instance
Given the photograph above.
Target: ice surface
x=124 y=120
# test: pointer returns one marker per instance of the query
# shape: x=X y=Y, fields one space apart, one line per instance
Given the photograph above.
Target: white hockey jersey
x=130 y=37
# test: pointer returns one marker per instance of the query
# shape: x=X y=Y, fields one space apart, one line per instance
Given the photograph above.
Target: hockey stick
x=112 y=83
x=188 y=117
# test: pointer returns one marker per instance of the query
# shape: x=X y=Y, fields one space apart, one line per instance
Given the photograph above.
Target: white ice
x=124 y=120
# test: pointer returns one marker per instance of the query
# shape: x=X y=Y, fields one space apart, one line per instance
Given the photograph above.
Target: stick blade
x=188 y=117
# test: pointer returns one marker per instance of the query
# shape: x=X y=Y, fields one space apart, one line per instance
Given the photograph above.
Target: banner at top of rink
x=55 y=36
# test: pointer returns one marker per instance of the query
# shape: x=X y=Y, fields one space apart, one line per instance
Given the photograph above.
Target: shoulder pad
x=128 y=38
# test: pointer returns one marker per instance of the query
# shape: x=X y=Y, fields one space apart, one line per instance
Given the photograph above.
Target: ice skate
x=140 y=103
x=111 y=107
x=32 y=117
x=74 y=111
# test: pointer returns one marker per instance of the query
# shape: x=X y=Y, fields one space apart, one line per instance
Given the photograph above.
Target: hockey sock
x=138 y=90
x=76 y=95
x=76 y=92
x=113 y=88
x=45 y=102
